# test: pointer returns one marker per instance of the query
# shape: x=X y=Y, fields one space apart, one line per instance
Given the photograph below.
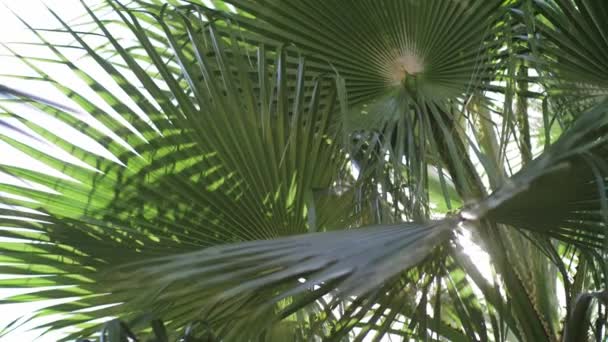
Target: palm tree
x=289 y=170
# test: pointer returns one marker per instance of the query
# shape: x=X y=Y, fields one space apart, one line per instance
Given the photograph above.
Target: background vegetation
x=308 y=170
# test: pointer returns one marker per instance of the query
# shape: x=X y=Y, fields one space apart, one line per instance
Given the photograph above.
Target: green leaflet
x=272 y=130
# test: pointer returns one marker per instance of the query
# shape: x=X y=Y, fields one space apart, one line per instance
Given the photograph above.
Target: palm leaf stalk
x=221 y=197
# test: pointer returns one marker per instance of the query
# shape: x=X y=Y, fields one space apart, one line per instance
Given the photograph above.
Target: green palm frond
x=5 y=90
x=263 y=273
x=562 y=193
x=571 y=40
x=575 y=34
x=269 y=169
x=407 y=65
x=220 y=164
x=440 y=48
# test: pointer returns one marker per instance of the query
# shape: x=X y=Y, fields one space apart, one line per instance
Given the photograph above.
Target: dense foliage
x=286 y=170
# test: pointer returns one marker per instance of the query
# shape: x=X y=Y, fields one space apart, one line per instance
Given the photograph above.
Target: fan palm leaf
x=220 y=193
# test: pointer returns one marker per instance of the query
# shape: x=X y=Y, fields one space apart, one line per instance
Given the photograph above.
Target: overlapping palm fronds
x=267 y=170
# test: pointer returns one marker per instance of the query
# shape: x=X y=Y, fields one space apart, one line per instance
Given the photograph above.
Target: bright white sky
x=11 y=30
